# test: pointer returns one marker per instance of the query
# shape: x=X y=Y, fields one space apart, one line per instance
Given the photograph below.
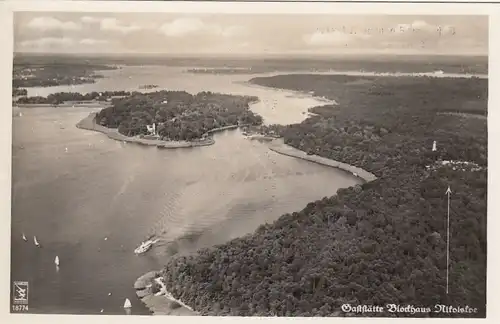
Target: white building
x=152 y=129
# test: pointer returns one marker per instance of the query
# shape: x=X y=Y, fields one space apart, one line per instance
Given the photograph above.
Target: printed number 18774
x=19 y=308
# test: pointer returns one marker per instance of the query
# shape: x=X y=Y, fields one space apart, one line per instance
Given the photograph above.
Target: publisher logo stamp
x=20 y=291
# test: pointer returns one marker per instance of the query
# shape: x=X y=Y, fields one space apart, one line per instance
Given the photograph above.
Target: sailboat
x=24 y=238
x=36 y=241
x=56 y=261
x=127 y=304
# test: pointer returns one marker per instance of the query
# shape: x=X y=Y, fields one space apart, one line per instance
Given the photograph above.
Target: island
x=382 y=242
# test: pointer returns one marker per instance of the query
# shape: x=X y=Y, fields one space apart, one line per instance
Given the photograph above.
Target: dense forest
x=383 y=242
x=61 y=97
x=19 y=92
x=54 y=74
x=177 y=114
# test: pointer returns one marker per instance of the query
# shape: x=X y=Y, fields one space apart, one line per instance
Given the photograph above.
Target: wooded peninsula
x=384 y=242
x=178 y=115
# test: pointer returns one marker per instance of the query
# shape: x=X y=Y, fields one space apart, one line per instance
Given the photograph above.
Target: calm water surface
x=73 y=188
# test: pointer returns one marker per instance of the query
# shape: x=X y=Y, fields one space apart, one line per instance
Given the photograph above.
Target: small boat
x=127 y=303
x=36 y=241
x=56 y=261
x=20 y=114
x=145 y=246
x=24 y=238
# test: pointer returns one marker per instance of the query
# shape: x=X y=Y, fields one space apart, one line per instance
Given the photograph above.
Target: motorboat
x=145 y=246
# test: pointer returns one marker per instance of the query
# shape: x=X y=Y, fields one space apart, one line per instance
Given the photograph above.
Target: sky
x=173 y=33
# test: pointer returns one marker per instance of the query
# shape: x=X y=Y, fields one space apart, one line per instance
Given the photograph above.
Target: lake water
x=73 y=188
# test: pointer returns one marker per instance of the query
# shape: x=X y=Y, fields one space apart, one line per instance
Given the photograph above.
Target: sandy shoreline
x=279 y=146
x=161 y=303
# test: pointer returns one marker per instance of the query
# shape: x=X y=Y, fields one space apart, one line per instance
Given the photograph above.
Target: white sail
x=24 y=237
x=36 y=241
x=434 y=146
x=56 y=261
x=127 y=304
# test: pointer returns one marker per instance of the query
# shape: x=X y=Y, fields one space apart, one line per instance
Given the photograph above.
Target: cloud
x=112 y=24
x=47 y=42
x=186 y=26
x=232 y=31
x=91 y=41
x=90 y=19
x=333 y=38
x=49 y=23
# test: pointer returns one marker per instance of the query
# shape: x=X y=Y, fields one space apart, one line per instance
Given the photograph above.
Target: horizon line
x=226 y=55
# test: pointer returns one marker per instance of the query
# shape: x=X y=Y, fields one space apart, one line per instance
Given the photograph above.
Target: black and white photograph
x=267 y=163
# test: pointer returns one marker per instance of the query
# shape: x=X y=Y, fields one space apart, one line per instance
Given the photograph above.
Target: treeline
x=178 y=115
x=46 y=75
x=148 y=86
x=16 y=92
x=380 y=243
x=61 y=97
x=226 y=70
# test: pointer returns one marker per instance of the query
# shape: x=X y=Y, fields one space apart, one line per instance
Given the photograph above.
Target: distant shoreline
x=66 y=104
x=298 y=94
